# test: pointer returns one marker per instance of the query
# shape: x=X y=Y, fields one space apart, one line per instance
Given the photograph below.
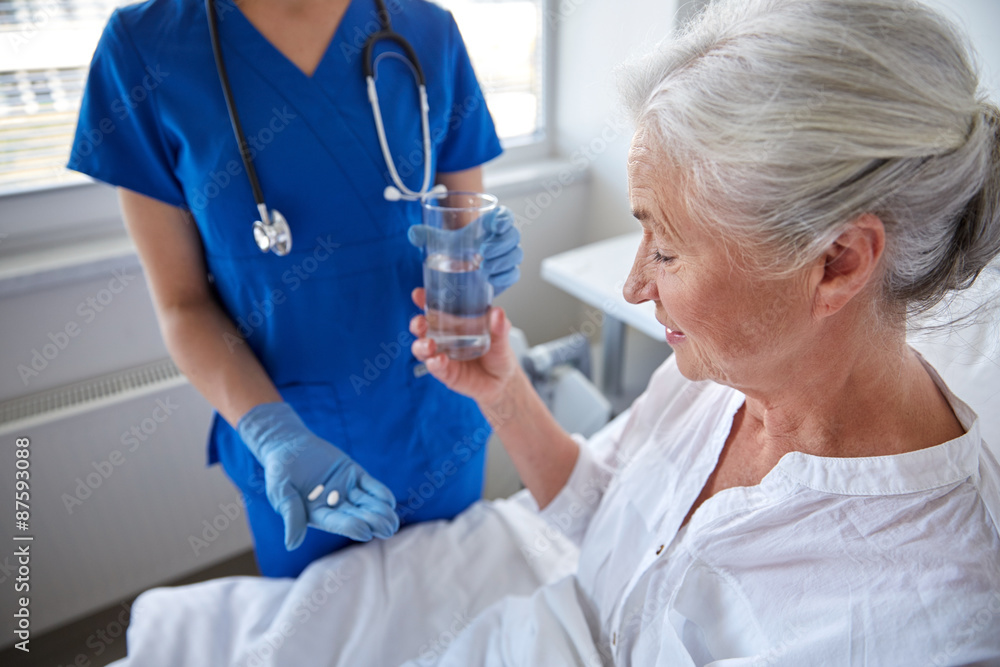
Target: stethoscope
x=271 y=232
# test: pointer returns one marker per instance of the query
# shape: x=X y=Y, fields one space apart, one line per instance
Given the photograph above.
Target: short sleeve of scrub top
x=119 y=138
x=471 y=138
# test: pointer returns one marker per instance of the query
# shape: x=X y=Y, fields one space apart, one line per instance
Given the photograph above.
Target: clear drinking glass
x=458 y=291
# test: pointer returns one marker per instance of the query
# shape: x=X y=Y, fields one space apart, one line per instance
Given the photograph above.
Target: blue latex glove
x=500 y=248
x=296 y=461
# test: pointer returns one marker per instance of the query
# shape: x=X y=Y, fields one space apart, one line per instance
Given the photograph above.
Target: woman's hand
x=484 y=378
x=543 y=453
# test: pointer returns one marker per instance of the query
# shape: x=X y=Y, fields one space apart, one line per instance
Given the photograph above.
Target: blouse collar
x=911 y=472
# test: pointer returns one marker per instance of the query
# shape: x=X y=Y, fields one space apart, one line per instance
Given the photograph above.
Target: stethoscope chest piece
x=273 y=234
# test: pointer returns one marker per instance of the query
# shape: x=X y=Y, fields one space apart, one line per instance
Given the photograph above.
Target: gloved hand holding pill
x=310 y=482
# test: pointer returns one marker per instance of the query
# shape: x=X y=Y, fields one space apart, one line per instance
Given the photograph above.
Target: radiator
x=120 y=497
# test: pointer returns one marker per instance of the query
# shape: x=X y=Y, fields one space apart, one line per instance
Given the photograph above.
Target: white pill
x=315 y=493
x=333 y=498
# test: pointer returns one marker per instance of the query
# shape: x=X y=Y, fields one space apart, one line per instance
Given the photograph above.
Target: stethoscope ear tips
x=392 y=193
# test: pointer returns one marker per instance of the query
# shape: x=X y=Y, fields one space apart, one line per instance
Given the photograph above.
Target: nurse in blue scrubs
x=324 y=419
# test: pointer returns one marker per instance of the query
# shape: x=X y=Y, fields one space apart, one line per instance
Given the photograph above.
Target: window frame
x=522 y=151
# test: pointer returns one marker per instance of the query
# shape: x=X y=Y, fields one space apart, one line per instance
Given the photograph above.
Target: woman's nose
x=639 y=288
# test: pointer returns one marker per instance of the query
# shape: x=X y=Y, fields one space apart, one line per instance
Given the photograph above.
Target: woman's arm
x=543 y=453
x=200 y=336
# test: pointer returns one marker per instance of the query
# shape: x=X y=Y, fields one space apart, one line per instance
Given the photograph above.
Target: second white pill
x=333 y=498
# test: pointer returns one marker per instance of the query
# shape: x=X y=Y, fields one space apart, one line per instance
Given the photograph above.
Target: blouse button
x=614 y=637
x=659 y=550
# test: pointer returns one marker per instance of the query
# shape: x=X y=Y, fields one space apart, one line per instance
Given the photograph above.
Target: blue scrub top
x=329 y=321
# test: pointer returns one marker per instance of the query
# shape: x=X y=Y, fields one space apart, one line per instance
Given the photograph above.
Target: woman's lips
x=674 y=337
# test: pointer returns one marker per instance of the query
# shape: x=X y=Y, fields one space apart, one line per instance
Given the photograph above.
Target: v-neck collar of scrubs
x=332 y=102
x=245 y=37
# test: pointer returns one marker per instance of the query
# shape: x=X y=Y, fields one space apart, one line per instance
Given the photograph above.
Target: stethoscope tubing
x=275 y=235
x=234 y=117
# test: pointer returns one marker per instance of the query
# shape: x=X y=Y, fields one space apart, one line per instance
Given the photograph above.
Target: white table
x=596 y=274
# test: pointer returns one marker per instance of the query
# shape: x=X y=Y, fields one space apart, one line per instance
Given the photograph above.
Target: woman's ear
x=848 y=265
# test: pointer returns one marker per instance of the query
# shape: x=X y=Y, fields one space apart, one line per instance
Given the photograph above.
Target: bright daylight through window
x=46 y=45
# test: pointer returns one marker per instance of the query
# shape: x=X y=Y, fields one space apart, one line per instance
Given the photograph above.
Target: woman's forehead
x=643 y=148
x=650 y=165
x=655 y=188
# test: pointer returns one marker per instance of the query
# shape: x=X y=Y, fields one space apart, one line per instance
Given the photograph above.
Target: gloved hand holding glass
x=471 y=251
x=312 y=483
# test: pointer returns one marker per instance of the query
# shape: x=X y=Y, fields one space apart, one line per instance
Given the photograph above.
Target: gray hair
x=791 y=118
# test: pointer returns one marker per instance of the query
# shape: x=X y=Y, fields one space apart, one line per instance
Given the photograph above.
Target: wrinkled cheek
x=714 y=343
x=719 y=334
x=772 y=325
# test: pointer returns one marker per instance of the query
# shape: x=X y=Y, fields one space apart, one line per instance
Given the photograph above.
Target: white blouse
x=890 y=560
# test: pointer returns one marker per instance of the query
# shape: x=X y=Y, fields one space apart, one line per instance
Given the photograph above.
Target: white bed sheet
x=379 y=603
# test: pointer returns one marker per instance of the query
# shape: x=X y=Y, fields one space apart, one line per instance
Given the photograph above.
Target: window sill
x=69 y=263
x=66 y=259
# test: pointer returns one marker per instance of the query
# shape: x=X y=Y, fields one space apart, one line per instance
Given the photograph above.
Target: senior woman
x=796 y=485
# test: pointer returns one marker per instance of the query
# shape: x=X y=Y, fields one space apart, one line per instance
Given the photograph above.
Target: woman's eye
x=661 y=258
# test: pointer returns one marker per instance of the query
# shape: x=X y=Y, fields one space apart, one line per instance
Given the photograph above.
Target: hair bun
x=977 y=235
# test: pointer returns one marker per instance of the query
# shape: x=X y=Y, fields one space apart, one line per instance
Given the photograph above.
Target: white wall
x=981 y=20
x=549 y=225
x=594 y=37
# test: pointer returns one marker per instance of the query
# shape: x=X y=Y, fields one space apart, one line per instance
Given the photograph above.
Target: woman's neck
x=869 y=397
x=300 y=29
x=293 y=6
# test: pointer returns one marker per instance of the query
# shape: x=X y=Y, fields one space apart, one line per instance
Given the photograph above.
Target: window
x=46 y=46
x=505 y=40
